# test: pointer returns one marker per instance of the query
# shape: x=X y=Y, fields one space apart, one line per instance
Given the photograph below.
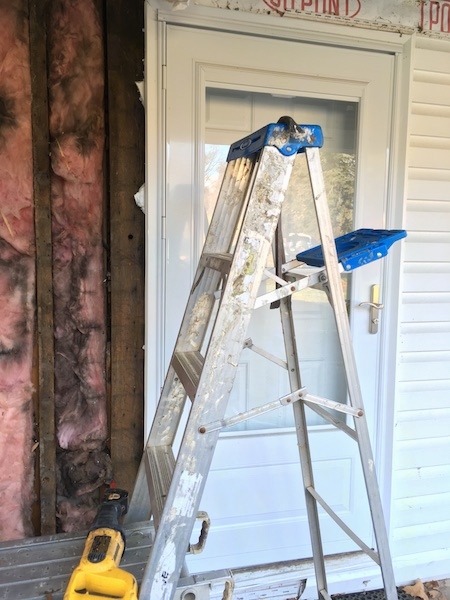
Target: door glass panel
x=230 y=116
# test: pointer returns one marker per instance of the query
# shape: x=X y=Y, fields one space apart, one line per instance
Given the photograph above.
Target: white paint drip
x=161 y=590
x=189 y=486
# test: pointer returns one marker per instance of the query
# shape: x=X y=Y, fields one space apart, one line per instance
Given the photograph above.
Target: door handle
x=375 y=307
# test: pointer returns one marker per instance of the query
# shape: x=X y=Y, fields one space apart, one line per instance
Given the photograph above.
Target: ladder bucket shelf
x=356 y=249
x=233 y=263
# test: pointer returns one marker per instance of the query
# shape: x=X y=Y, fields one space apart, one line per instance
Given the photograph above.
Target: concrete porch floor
x=426 y=590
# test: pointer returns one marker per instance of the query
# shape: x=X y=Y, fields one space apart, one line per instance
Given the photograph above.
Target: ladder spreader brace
x=205 y=358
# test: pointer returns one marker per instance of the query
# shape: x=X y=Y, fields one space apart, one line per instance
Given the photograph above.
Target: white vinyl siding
x=421 y=480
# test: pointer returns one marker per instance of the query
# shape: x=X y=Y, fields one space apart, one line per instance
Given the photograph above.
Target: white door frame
x=292 y=29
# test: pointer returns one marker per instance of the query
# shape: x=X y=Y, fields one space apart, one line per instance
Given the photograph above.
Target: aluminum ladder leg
x=330 y=281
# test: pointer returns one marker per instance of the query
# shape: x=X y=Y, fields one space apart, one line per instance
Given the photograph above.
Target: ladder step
x=160 y=464
x=188 y=366
x=357 y=248
x=217 y=261
x=303 y=281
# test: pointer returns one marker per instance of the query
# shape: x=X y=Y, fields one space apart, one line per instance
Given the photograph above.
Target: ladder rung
x=188 y=366
x=248 y=343
x=329 y=418
x=289 y=288
x=253 y=412
x=160 y=464
x=218 y=261
x=344 y=408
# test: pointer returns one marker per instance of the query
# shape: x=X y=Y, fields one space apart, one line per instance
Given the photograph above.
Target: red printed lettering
x=434 y=13
x=445 y=17
x=355 y=6
x=344 y=8
x=333 y=7
x=435 y=16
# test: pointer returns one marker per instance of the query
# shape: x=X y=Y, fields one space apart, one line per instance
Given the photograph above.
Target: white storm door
x=221 y=87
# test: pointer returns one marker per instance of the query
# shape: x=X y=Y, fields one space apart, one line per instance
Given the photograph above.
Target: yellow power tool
x=98 y=575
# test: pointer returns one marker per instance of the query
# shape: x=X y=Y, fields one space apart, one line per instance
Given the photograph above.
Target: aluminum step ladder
x=211 y=338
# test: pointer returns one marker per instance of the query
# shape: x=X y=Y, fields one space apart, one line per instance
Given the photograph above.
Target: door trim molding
x=393 y=273
x=287 y=28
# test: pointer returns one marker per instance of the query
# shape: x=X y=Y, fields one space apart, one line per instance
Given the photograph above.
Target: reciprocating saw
x=98 y=574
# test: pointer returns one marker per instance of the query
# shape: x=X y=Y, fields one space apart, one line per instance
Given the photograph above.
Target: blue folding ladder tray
x=357 y=248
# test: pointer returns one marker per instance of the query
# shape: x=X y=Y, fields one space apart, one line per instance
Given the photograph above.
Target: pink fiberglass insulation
x=76 y=85
x=17 y=274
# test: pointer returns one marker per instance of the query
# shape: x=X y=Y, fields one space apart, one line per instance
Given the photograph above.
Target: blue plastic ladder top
x=286 y=135
x=357 y=248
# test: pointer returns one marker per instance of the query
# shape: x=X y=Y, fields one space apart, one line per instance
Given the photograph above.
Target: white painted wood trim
x=392 y=276
x=286 y=28
x=154 y=226
x=352 y=571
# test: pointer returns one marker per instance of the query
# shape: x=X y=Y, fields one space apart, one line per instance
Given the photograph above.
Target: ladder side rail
x=140 y=508
x=330 y=418
x=199 y=307
x=167 y=418
x=304 y=452
x=355 y=394
x=293 y=368
x=232 y=196
x=334 y=283
x=231 y=201
x=196 y=317
x=170 y=407
x=225 y=346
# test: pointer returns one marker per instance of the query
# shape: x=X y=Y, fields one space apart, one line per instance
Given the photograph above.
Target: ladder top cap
x=286 y=135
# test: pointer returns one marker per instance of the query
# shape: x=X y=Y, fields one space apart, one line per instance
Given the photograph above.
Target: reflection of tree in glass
x=215 y=163
x=339 y=174
x=299 y=218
